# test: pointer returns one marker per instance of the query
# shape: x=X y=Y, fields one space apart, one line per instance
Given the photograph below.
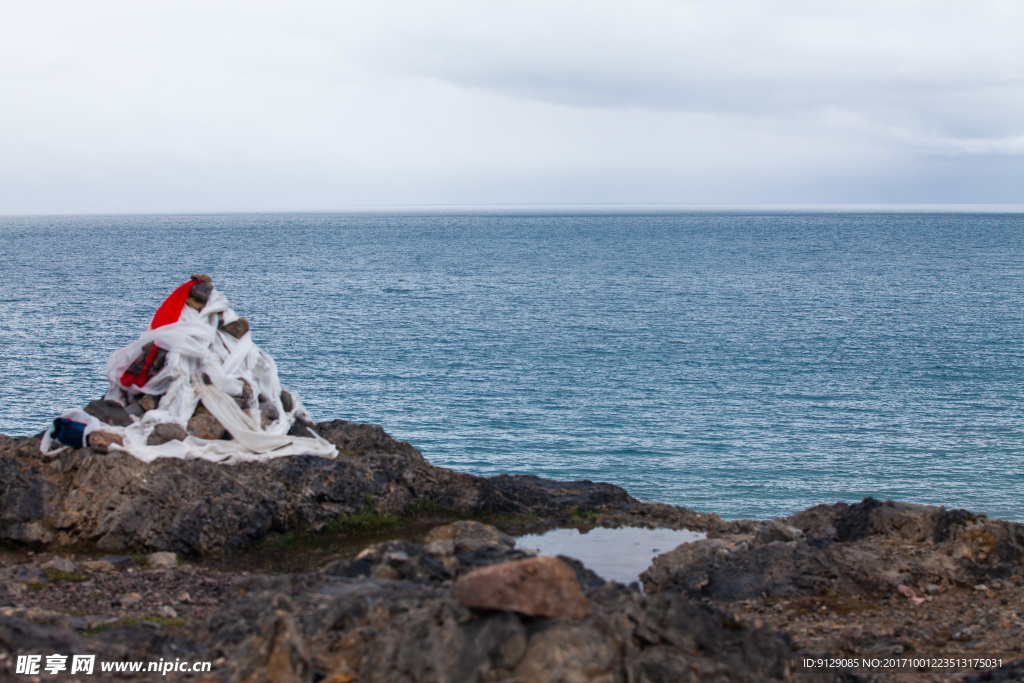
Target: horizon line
x=853 y=207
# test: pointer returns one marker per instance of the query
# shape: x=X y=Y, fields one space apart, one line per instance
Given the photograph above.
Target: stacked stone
x=202 y=424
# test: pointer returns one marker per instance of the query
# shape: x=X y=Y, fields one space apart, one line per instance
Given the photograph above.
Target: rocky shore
x=108 y=555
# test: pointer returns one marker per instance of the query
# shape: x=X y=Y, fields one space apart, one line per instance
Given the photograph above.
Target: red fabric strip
x=128 y=379
x=170 y=309
x=169 y=312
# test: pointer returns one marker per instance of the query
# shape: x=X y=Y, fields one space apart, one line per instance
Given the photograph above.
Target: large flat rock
x=119 y=503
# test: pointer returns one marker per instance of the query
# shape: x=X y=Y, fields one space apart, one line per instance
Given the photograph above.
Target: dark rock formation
x=393 y=612
x=26 y=498
x=118 y=502
x=869 y=547
x=342 y=624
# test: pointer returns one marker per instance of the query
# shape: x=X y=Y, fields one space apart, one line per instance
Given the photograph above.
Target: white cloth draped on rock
x=205 y=363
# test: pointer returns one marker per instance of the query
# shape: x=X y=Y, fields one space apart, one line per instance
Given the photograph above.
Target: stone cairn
x=202 y=424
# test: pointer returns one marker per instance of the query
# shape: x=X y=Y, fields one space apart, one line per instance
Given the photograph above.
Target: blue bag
x=68 y=432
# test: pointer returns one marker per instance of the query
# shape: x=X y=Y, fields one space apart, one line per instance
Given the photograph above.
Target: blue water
x=746 y=363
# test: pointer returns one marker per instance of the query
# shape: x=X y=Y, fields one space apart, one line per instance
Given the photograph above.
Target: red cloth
x=169 y=312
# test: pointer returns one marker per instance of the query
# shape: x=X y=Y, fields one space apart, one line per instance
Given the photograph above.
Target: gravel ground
x=987 y=622
x=93 y=599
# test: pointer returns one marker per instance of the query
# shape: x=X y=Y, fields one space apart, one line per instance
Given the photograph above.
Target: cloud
x=230 y=105
x=952 y=68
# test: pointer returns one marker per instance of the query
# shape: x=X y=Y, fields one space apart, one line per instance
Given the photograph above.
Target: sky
x=268 y=106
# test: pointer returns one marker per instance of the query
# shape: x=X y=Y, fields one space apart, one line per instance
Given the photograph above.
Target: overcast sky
x=192 y=106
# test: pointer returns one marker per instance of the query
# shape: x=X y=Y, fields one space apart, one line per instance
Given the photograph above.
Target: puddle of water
x=614 y=554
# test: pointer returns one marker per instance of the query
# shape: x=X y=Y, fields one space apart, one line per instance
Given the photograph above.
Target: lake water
x=750 y=363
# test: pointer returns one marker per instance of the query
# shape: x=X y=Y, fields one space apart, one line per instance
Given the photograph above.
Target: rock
x=159 y=359
x=101 y=441
x=111 y=412
x=205 y=426
x=166 y=431
x=63 y=564
x=540 y=586
x=910 y=594
x=328 y=627
x=386 y=630
x=130 y=599
x=119 y=561
x=236 y=328
x=300 y=428
x=469 y=535
x=199 y=295
x=98 y=566
x=268 y=410
x=778 y=530
x=383 y=571
x=287 y=402
x=393 y=560
x=140 y=404
x=139 y=364
x=26 y=573
x=32 y=533
x=440 y=548
x=10 y=591
x=25 y=493
x=844 y=550
x=362 y=440
x=202 y=277
x=846 y=523
x=162 y=560
x=118 y=503
x=245 y=401
x=277 y=652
